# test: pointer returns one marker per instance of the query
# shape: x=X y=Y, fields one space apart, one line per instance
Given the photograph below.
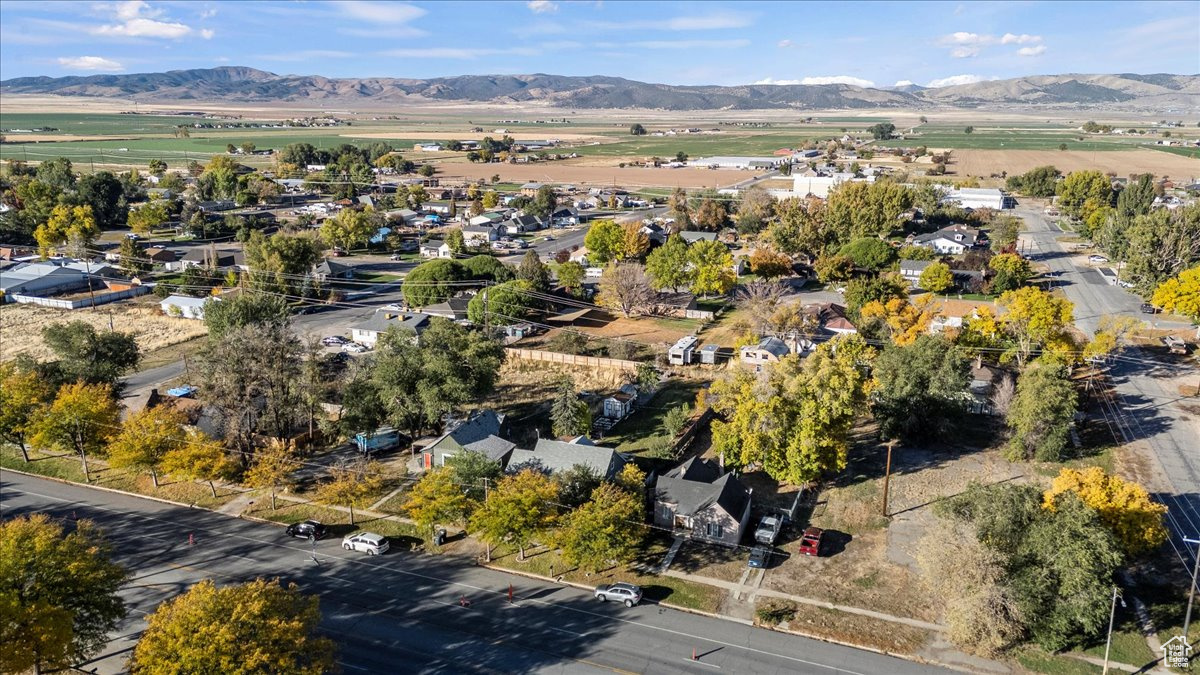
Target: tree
x=133 y=257
x=82 y=419
x=432 y=282
x=244 y=309
x=624 y=287
x=936 y=277
x=1012 y=272
x=157 y=167
x=1003 y=233
x=969 y=130
x=1162 y=244
x=505 y=303
x=490 y=199
x=437 y=498
x=472 y=473
x=676 y=419
x=920 y=389
x=199 y=457
x=755 y=210
x=147 y=217
x=273 y=466
x=88 y=356
x=857 y=209
x=1035 y=318
x=59 y=593
x=668 y=266
x=57 y=172
x=74 y=226
x=354 y=484
x=1180 y=294
x=882 y=288
x=769 y=264
x=544 y=202
x=637 y=130
x=1124 y=507
x=677 y=206
x=634 y=242
x=569 y=415
x=712 y=266
x=834 y=268
x=760 y=300
x=278 y=262
x=570 y=275
x=348 y=228
x=882 y=131
x=24 y=394
x=1041 y=413
x=800 y=227
x=533 y=271
x=869 y=252
x=575 y=485
x=146 y=437
x=900 y=320
x=1039 y=182
x=711 y=215
x=520 y=508
x=1080 y=189
x=605 y=530
x=604 y=241
x=256 y=627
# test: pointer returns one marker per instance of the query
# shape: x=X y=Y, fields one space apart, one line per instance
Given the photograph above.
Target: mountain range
x=1180 y=93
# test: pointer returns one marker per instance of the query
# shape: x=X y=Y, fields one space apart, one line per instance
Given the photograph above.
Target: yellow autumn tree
x=905 y=321
x=1124 y=507
x=1180 y=294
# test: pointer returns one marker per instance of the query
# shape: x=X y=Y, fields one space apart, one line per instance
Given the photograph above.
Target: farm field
x=1140 y=160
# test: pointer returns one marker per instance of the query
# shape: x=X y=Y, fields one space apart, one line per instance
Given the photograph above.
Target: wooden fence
x=571 y=359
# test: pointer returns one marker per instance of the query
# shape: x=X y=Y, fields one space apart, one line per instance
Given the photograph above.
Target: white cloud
x=954 y=80
x=784 y=44
x=89 y=63
x=542 y=6
x=1022 y=39
x=459 y=53
x=378 y=12
x=964 y=52
x=139 y=20
x=709 y=22
x=904 y=83
x=207 y=33
x=691 y=44
x=965 y=38
x=836 y=79
x=1031 y=51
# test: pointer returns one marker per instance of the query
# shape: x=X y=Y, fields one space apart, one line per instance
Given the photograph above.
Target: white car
x=367 y=542
x=333 y=340
x=353 y=348
x=1097 y=259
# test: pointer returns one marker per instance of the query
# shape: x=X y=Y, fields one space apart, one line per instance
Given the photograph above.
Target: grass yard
x=377 y=277
x=642 y=431
x=1038 y=661
x=759 y=143
x=404 y=536
x=853 y=628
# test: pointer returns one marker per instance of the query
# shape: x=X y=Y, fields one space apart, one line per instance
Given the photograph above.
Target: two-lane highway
x=400 y=612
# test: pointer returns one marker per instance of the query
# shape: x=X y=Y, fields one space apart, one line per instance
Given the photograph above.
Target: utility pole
x=1111 y=615
x=1187 y=618
x=887 y=476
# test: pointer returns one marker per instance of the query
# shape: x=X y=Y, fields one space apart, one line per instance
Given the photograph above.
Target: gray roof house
x=454 y=308
x=912 y=269
x=768 y=350
x=955 y=239
x=329 y=269
x=367 y=332
x=551 y=456
x=700 y=499
x=479 y=432
x=693 y=237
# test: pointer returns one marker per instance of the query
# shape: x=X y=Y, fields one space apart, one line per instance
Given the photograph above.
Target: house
x=949 y=240
x=551 y=456
x=428 y=147
x=912 y=269
x=620 y=404
x=160 y=256
x=655 y=233
x=726 y=162
x=17 y=253
x=691 y=237
x=522 y=224
x=682 y=352
x=328 y=269
x=564 y=216
x=185 y=306
x=831 y=317
x=530 y=189
x=985 y=381
x=479 y=432
x=454 y=309
x=41 y=279
x=709 y=354
x=436 y=248
x=480 y=235
x=367 y=332
x=218 y=260
x=768 y=350
x=697 y=498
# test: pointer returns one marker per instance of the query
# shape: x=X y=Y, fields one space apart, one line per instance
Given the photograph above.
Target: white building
x=977 y=198
x=185 y=306
x=819 y=186
x=731 y=162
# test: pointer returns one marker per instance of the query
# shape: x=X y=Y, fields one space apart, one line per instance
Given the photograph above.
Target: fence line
x=571 y=359
x=99 y=299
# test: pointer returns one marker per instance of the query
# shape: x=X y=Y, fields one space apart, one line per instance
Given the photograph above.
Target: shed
x=680 y=353
x=709 y=353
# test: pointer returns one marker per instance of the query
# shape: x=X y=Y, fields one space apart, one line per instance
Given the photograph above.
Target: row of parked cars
x=769 y=529
x=346 y=345
x=365 y=542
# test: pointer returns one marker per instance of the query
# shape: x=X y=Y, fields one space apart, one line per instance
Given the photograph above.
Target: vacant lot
x=565 y=172
x=21 y=326
x=1123 y=162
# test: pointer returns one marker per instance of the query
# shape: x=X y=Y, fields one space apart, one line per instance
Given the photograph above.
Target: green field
x=1025 y=138
x=1194 y=153
x=706 y=145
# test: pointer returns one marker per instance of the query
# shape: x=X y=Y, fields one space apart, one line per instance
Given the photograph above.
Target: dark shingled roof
x=697 y=484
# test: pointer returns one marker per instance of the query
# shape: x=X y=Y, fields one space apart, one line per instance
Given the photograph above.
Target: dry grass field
x=570 y=172
x=21 y=326
x=1121 y=162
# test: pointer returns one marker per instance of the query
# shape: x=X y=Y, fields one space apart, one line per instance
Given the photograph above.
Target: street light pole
x=1111 y=615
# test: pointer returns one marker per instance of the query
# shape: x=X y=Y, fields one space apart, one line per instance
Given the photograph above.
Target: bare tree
x=625 y=287
x=760 y=299
x=1002 y=394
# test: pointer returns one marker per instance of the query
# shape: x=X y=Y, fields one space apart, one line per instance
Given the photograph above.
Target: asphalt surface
x=1148 y=405
x=400 y=612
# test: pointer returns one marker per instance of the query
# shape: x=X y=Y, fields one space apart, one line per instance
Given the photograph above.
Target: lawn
x=378 y=277
x=643 y=431
x=1039 y=661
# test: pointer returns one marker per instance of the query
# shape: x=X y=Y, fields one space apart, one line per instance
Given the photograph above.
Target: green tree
x=350 y=227
x=58 y=591
x=57 y=172
x=882 y=131
x=473 y=472
x=637 y=130
x=800 y=228
x=1162 y=244
x=881 y=289
x=456 y=242
x=147 y=217
x=437 y=498
x=576 y=484
x=277 y=263
x=520 y=509
x=256 y=627
x=604 y=242
x=920 y=389
x=105 y=194
x=90 y=356
x=244 y=309
x=157 y=167
x=145 y=438
x=199 y=457
x=432 y=282
x=569 y=415
x=969 y=130
x=544 y=202
x=485 y=266
x=533 y=271
x=668 y=266
x=133 y=257
x=1036 y=319
x=857 y=209
x=570 y=275
x=936 y=277
x=1041 y=413
x=834 y=268
x=82 y=419
x=681 y=214
x=24 y=394
x=504 y=303
x=606 y=530
x=1003 y=233
x=869 y=252
x=712 y=266
x=1012 y=272
x=676 y=419
x=1081 y=187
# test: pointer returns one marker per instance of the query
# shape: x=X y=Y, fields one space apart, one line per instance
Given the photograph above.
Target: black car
x=306 y=530
x=760 y=556
x=1148 y=308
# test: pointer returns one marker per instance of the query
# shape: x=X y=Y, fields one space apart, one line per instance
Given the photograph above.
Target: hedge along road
x=401 y=612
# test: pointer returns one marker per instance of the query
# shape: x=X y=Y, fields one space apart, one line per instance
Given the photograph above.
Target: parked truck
x=383 y=438
x=768 y=530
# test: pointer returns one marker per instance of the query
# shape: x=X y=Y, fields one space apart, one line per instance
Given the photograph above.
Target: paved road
x=1149 y=405
x=399 y=612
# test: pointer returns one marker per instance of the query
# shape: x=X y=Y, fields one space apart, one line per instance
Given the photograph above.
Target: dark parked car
x=307 y=529
x=1148 y=308
x=759 y=555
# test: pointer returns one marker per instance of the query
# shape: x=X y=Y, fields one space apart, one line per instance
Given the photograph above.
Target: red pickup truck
x=810 y=542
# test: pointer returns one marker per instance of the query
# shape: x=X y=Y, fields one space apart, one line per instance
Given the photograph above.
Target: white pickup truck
x=768 y=530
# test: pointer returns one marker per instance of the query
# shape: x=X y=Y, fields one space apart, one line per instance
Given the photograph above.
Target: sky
x=722 y=43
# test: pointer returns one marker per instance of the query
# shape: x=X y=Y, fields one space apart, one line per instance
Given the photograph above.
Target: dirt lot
x=1121 y=162
x=21 y=326
x=564 y=172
